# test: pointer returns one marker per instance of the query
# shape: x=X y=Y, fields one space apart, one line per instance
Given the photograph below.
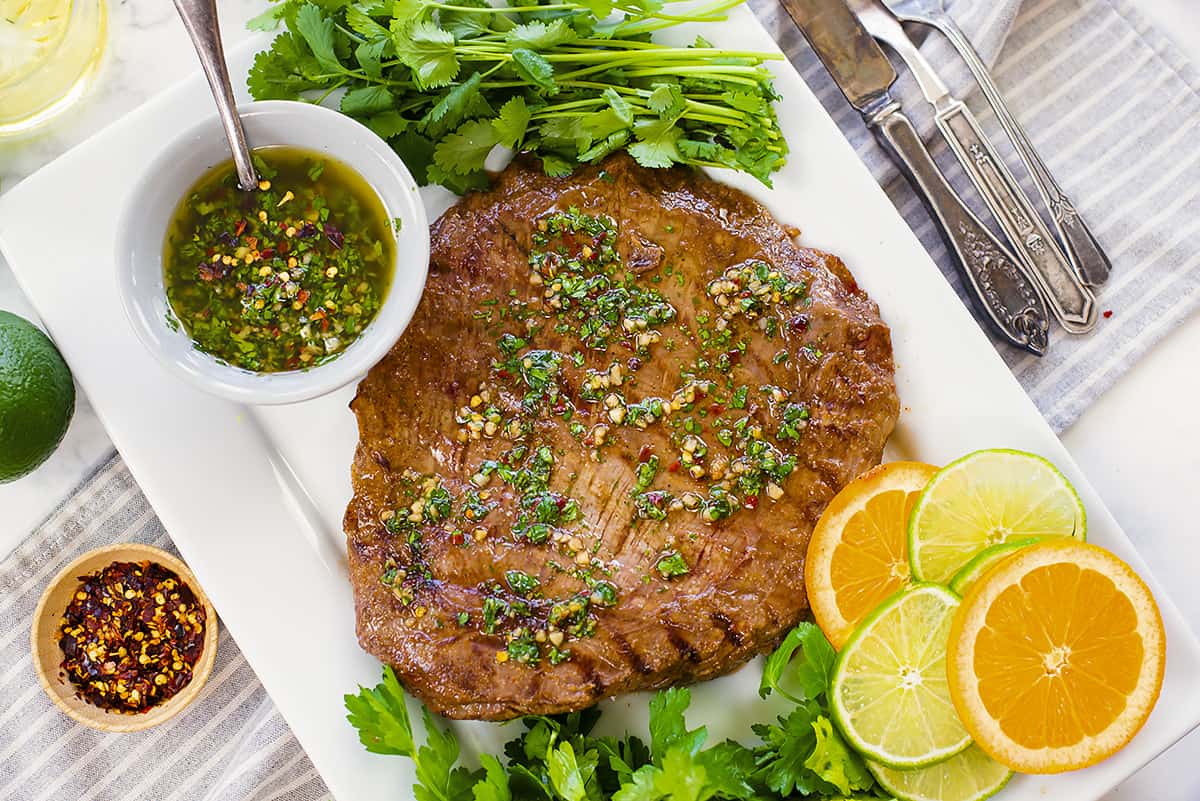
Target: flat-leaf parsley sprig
x=801 y=755
x=570 y=80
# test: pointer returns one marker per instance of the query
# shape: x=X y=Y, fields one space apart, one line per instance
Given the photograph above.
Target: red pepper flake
x=457 y=538
x=241 y=226
x=267 y=254
x=674 y=467
x=302 y=296
x=645 y=452
x=131 y=636
x=1107 y=313
x=751 y=501
x=716 y=408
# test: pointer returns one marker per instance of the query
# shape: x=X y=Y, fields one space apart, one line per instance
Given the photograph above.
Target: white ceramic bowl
x=157 y=192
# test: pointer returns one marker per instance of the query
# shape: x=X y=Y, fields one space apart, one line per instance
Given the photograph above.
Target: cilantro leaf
x=369 y=56
x=532 y=67
x=656 y=143
x=466 y=24
x=283 y=71
x=367 y=100
x=361 y=23
x=556 y=165
x=416 y=151
x=619 y=105
x=811 y=669
x=268 y=20
x=512 y=123
x=667 y=101
x=317 y=30
x=387 y=124
x=381 y=716
x=462 y=102
x=538 y=35
x=428 y=51
x=465 y=150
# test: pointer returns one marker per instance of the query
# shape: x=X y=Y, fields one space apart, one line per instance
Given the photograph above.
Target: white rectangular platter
x=253 y=497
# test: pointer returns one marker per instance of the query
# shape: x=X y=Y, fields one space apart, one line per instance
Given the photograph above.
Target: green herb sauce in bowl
x=360 y=245
x=283 y=278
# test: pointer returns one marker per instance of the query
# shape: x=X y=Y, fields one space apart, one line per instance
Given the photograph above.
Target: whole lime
x=37 y=397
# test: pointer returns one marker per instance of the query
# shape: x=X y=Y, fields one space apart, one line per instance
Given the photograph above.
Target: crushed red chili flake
x=1107 y=313
x=131 y=636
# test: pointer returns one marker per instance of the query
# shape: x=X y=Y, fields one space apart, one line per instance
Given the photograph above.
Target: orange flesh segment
x=871 y=562
x=1039 y=654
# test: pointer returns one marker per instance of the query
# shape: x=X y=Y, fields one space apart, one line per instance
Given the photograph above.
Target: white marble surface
x=1140 y=444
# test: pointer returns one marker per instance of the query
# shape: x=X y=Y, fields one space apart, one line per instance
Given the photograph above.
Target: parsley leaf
x=668 y=729
x=834 y=762
x=381 y=717
x=811 y=670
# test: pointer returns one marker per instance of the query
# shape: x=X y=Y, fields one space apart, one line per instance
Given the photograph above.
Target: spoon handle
x=200 y=20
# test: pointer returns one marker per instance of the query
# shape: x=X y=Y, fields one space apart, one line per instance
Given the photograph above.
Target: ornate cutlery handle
x=1004 y=292
x=1087 y=257
x=1070 y=301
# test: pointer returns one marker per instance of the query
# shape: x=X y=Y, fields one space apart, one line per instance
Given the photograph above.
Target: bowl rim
x=46 y=652
x=400 y=199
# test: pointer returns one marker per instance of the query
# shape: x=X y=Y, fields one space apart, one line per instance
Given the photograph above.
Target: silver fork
x=1086 y=256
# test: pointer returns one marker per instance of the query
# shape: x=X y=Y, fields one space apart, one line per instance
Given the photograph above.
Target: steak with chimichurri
x=592 y=463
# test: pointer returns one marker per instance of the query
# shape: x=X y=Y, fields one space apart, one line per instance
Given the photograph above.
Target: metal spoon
x=200 y=20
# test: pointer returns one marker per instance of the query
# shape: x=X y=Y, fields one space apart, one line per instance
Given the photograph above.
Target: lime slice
x=986 y=498
x=969 y=776
x=889 y=692
x=983 y=561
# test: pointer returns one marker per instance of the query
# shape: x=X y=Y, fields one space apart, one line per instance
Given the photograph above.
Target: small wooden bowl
x=48 y=656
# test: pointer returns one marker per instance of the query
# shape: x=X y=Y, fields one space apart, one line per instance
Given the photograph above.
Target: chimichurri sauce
x=285 y=277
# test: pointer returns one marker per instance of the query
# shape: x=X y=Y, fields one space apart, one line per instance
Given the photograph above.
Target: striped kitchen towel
x=231 y=744
x=1114 y=109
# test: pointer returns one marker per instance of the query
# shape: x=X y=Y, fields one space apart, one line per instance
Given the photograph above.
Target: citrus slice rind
x=1061 y=625
x=889 y=693
x=984 y=561
x=985 y=498
x=969 y=776
x=858 y=554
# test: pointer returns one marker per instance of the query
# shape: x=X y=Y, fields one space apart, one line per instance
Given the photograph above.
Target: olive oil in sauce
x=285 y=277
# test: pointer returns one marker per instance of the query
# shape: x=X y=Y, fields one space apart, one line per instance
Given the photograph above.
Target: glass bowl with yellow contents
x=285 y=292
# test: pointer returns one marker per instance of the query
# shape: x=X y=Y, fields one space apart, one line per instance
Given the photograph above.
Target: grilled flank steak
x=592 y=463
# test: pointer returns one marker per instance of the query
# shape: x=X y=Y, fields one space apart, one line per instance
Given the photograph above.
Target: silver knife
x=1072 y=303
x=1004 y=292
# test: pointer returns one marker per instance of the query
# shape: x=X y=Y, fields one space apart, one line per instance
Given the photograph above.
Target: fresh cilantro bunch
x=570 y=80
x=801 y=755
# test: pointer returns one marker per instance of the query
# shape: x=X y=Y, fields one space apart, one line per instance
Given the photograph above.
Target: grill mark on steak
x=744 y=585
x=726 y=625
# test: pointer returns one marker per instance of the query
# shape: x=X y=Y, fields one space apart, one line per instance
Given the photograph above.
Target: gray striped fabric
x=1115 y=112
x=1114 y=109
x=230 y=745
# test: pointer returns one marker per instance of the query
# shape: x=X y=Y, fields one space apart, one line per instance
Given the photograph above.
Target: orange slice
x=858 y=554
x=1056 y=657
